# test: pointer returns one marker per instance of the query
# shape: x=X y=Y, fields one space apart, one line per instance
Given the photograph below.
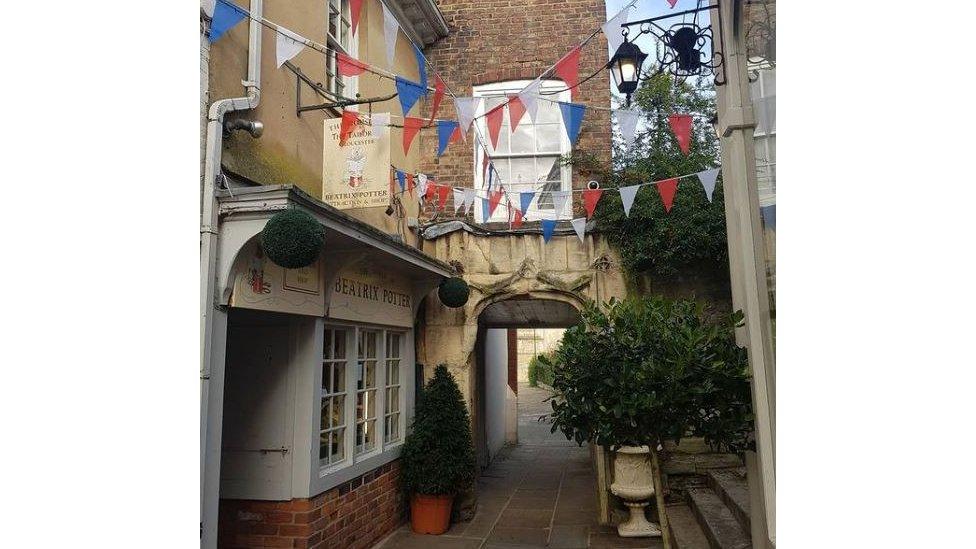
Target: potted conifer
x=437 y=461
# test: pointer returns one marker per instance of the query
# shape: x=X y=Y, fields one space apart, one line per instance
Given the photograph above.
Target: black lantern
x=625 y=65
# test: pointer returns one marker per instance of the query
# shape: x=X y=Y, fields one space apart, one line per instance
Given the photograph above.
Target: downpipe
x=211 y=398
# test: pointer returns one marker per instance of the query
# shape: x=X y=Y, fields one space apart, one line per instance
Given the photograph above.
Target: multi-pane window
x=332 y=431
x=366 y=392
x=391 y=405
x=339 y=38
x=527 y=160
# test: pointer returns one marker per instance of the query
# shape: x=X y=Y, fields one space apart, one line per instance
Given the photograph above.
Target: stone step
x=685 y=531
x=717 y=521
x=698 y=464
x=731 y=485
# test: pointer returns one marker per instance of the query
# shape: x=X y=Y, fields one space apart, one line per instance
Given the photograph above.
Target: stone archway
x=501 y=267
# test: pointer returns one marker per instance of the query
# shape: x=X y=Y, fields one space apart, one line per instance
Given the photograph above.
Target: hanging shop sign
x=355 y=174
x=363 y=293
x=262 y=285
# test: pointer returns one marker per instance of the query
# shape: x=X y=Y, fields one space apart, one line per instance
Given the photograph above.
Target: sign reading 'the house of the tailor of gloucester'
x=357 y=174
x=365 y=295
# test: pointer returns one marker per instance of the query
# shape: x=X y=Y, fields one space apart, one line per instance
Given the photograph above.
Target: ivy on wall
x=692 y=236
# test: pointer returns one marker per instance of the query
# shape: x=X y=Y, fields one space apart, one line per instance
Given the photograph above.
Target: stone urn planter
x=632 y=482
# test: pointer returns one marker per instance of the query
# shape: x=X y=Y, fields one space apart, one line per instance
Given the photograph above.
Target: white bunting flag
x=421 y=186
x=390 y=28
x=627 y=195
x=529 y=97
x=287 y=45
x=379 y=122
x=469 y=195
x=707 y=179
x=579 y=225
x=614 y=31
x=466 y=107
x=627 y=120
x=559 y=199
x=460 y=200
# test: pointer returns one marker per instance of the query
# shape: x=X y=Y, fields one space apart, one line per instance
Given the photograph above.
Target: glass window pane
x=338 y=378
x=523 y=171
x=339 y=344
x=394 y=399
x=370 y=373
x=338 y=411
x=548 y=112
x=549 y=137
x=502 y=166
x=547 y=168
x=324 y=446
x=523 y=140
x=393 y=375
x=326 y=377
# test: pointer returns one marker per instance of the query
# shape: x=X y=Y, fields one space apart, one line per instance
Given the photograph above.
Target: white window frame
x=345 y=331
x=391 y=384
x=351 y=458
x=565 y=147
x=341 y=85
x=765 y=137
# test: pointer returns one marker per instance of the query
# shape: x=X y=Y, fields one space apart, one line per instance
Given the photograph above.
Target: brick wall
x=502 y=40
x=355 y=514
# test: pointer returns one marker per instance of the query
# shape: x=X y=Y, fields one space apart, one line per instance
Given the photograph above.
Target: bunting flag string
x=612 y=28
x=667 y=189
x=494 y=118
x=287 y=46
x=568 y=69
x=355 y=9
x=347 y=125
x=627 y=195
x=401 y=179
x=347 y=66
x=579 y=225
x=515 y=111
x=390 y=28
x=548 y=226
x=379 y=121
x=421 y=66
x=707 y=179
x=529 y=98
x=411 y=126
x=627 y=120
x=525 y=199
x=225 y=16
x=466 y=107
x=448 y=131
x=438 y=96
x=681 y=126
x=572 y=119
x=408 y=93
x=590 y=199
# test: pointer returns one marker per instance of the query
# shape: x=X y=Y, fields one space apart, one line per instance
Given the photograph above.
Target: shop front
x=319 y=378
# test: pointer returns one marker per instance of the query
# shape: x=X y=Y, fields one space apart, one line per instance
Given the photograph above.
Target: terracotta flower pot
x=430 y=514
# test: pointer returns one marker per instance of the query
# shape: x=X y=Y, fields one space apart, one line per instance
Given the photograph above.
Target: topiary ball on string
x=454 y=292
x=292 y=238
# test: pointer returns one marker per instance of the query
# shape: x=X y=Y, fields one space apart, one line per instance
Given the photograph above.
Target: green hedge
x=541 y=369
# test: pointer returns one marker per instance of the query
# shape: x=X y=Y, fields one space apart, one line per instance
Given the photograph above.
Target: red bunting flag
x=347 y=66
x=493 y=200
x=590 y=198
x=484 y=167
x=411 y=126
x=672 y=2
x=431 y=189
x=668 y=188
x=438 y=95
x=355 y=7
x=348 y=124
x=495 y=117
x=455 y=135
x=681 y=126
x=410 y=183
x=568 y=69
x=442 y=192
x=515 y=111
x=518 y=219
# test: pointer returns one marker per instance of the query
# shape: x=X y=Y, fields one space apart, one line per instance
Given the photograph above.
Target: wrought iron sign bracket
x=337 y=101
x=680 y=48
